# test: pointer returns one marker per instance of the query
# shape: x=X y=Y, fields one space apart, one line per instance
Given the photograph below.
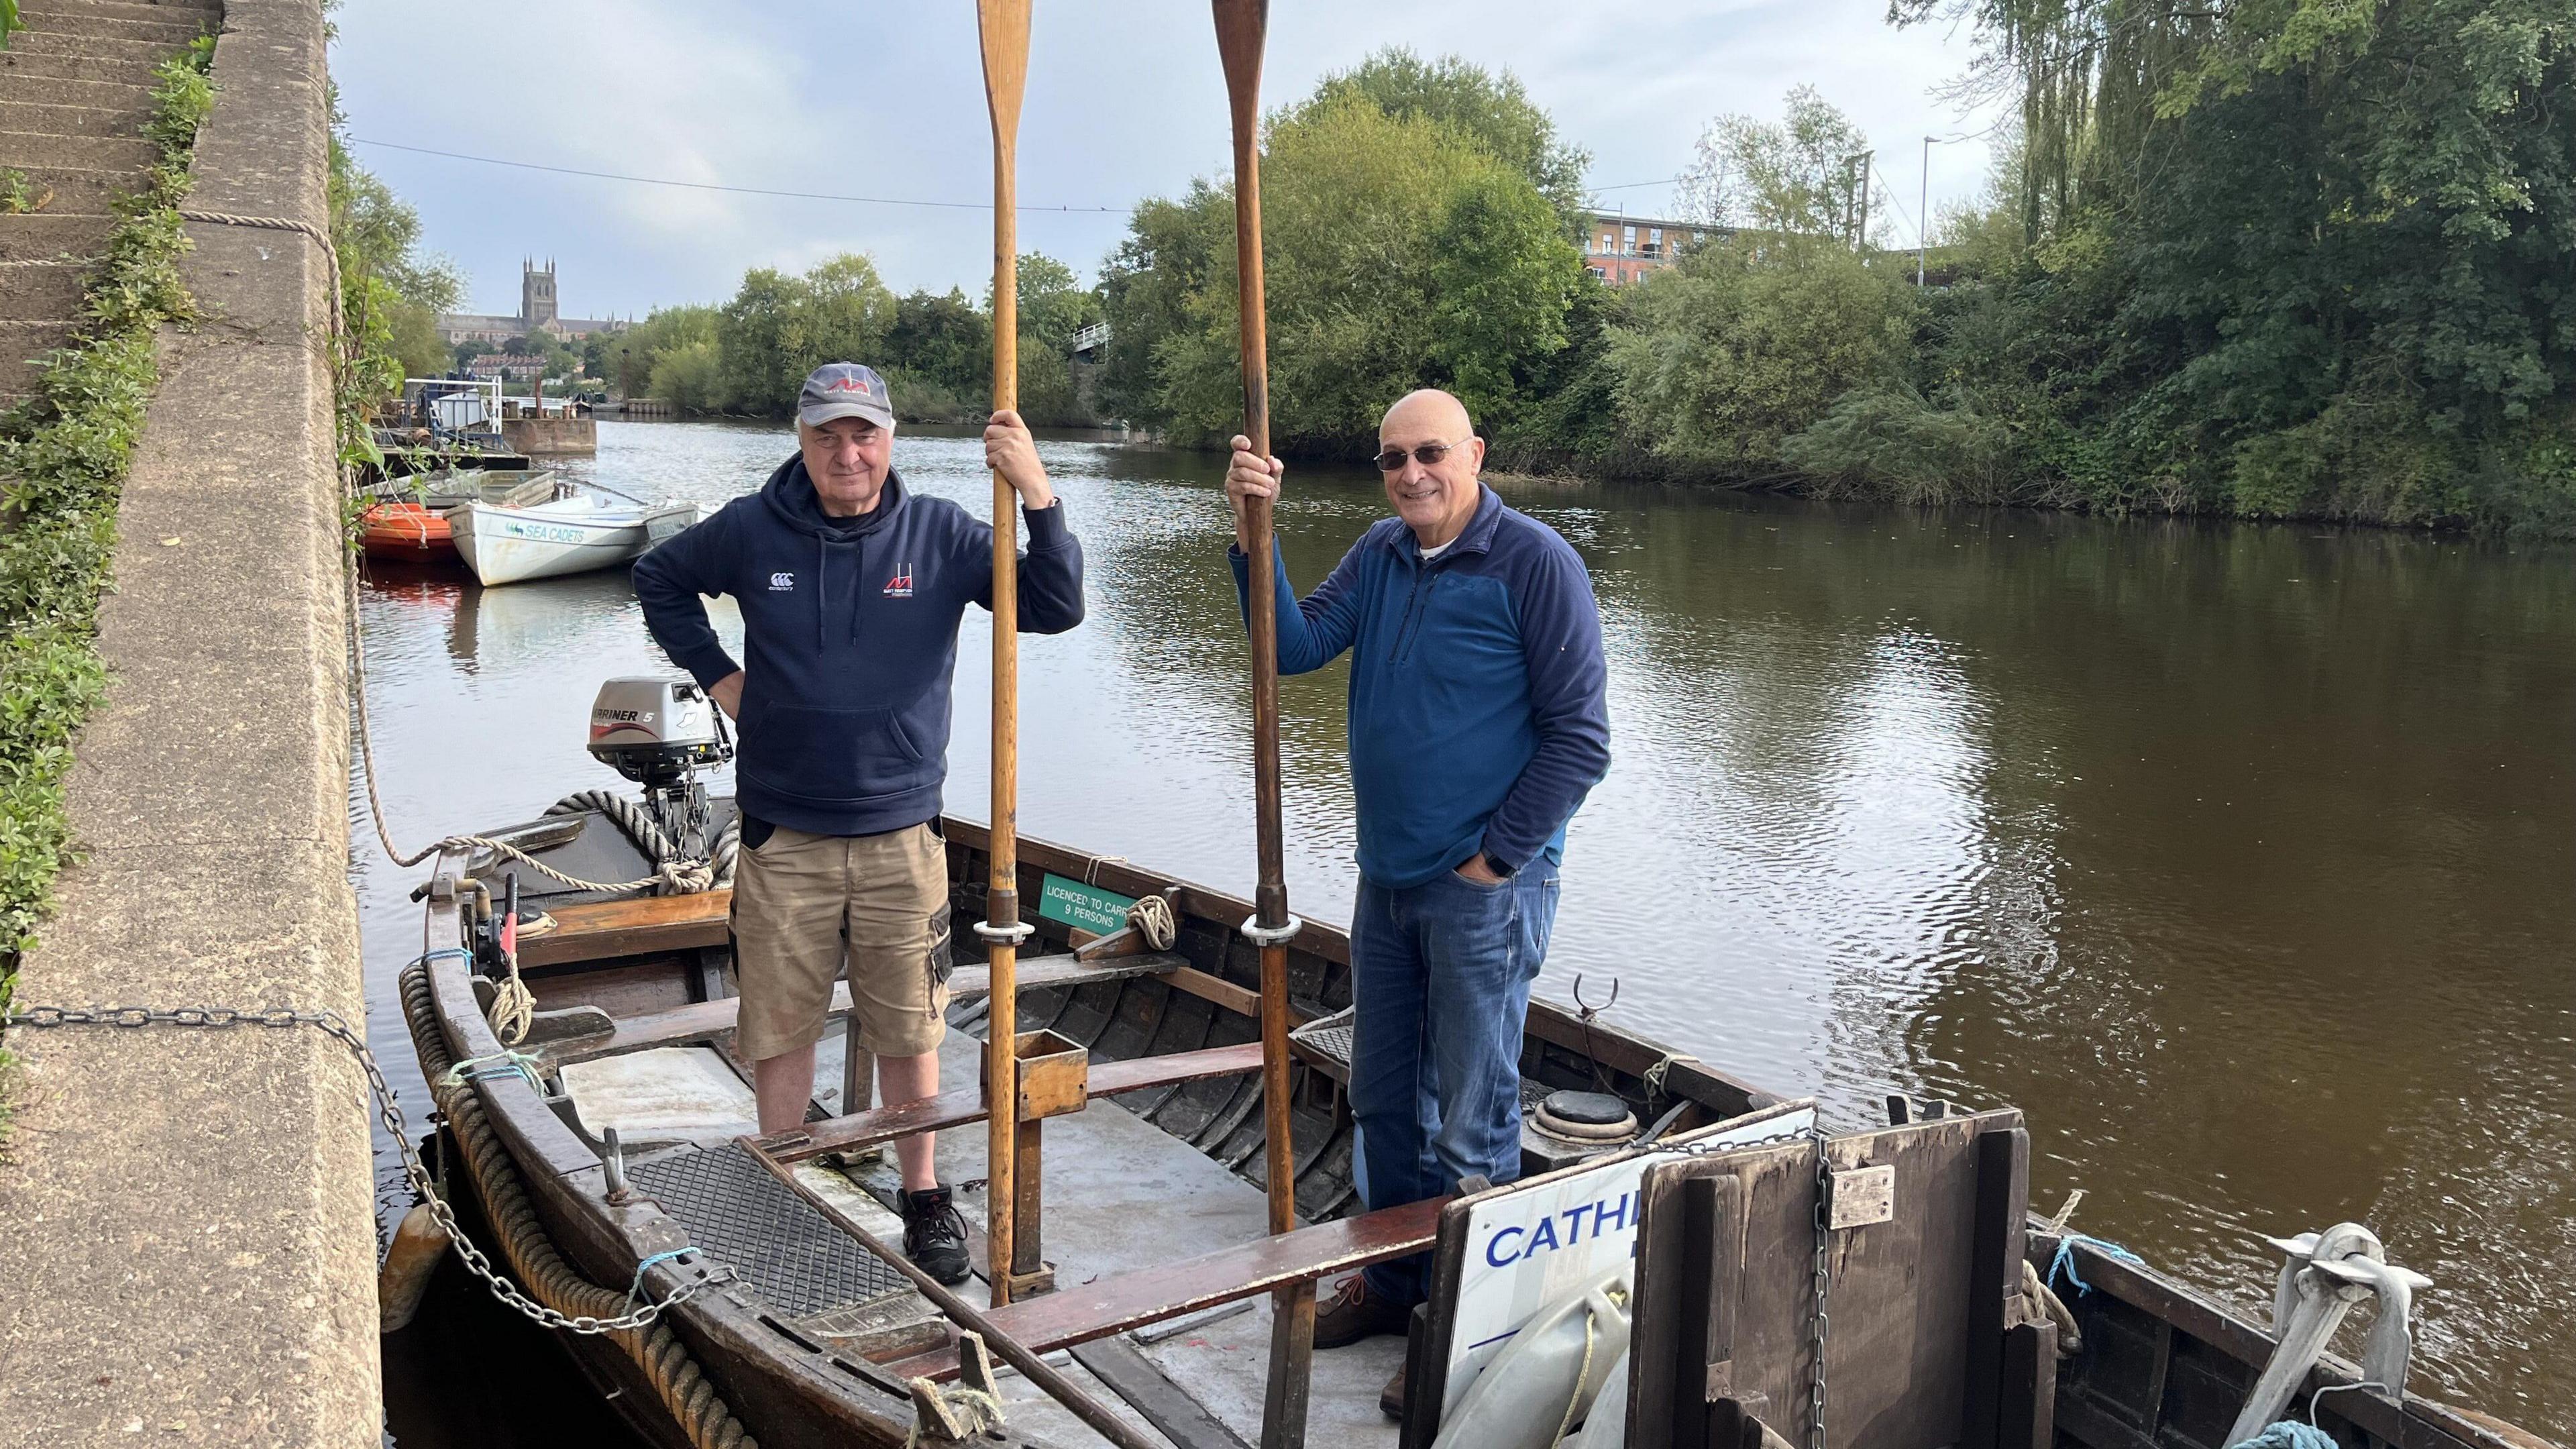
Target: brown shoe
x=1356 y=1313
x=1390 y=1400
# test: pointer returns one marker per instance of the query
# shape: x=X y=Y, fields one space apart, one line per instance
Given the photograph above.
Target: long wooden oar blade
x=1005 y=32
x=1241 y=28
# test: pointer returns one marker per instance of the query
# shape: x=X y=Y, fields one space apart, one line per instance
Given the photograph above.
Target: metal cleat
x=2323 y=1276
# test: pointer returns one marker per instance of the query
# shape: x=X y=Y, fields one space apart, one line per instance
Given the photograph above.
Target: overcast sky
x=1125 y=101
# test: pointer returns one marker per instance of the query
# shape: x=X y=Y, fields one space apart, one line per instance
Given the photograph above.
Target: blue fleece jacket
x=1478 y=711
x=849 y=639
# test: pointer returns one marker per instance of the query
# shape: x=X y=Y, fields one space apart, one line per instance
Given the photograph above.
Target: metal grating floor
x=1330 y=1037
x=775 y=1241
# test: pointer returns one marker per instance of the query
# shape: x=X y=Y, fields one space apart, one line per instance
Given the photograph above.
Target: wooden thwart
x=702 y=1020
x=959 y=1109
x=631 y=928
x=1079 y=1313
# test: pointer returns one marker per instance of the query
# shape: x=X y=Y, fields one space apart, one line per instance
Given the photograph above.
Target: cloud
x=1125 y=101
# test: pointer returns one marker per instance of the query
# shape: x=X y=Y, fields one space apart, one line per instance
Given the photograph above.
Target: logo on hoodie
x=900 y=586
x=781 y=582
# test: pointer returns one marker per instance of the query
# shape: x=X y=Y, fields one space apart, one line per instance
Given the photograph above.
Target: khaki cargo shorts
x=801 y=902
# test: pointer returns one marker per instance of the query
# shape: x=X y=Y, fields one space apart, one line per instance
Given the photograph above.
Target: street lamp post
x=1923 y=215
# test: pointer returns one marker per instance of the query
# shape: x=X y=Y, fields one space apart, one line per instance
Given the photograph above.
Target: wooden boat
x=504 y=545
x=1148 y=1201
x=409 y=524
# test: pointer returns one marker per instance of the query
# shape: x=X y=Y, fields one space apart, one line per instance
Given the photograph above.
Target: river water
x=2239 y=856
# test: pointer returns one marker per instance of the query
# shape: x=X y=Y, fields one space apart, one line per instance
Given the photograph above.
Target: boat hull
x=406 y=533
x=660 y=984
x=508 y=546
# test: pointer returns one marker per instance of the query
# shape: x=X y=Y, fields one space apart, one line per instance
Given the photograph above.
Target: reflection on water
x=2239 y=857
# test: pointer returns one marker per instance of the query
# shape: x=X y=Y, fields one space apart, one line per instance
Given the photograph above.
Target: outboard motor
x=658 y=733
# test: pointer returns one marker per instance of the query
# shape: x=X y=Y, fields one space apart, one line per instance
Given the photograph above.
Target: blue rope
x=457 y=952
x=637 y=1287
x=482 y=1069
x=2291 y=1434
x=2065 y=1262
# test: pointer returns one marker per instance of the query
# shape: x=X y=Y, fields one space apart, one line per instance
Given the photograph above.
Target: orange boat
x=407 y=533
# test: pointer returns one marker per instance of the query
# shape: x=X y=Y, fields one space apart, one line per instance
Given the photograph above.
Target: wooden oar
x=1005 y=28
x=1240 y=28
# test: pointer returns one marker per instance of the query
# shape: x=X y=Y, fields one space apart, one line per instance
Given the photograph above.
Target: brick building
x=1619 y=248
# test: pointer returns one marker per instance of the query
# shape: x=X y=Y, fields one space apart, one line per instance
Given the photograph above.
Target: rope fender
x=677 y=1381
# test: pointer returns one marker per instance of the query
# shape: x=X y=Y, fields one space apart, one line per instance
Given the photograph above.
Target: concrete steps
x=27 y=150
x=75 y=92
x=124 y=96
x=167 y=12
x=52 y=233
x=18 y=66
x=168 y=27
x=25 y=119
x=74 y=37
x=76 y=191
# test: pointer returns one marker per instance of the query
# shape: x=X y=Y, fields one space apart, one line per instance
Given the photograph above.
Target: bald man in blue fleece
x=1478 y=722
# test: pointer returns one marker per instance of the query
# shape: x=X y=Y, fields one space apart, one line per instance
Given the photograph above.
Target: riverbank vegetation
x=748 y=356
x=2300 y=259
x=64 y=452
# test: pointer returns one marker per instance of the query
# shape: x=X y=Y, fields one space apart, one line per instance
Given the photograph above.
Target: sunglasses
x=1428 y=455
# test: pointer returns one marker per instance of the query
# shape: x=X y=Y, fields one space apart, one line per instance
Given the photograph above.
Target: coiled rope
x=675 y=1377
x=650 y=837
x=1152 y=918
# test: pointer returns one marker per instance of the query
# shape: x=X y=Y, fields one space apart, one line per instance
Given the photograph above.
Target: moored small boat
x=406 y=533
x=504 y=545
x=409 y=524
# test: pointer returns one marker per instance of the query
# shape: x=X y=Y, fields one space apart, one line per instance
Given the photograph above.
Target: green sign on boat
x=1089 y=907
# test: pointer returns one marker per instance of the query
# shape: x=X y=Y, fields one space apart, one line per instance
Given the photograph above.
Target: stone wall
x=187 y=1246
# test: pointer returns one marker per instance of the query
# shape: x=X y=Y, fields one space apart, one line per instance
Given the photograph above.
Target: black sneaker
x=934 y=1235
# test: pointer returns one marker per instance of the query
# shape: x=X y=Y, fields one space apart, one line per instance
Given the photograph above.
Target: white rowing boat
x=568 y=536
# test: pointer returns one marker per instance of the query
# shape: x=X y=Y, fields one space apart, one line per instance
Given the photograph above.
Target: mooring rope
x=677 y=878
x=676 y=1378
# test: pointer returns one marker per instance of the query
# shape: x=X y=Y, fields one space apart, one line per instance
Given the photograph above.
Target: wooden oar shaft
x=1005 y=31
x=1240 y=29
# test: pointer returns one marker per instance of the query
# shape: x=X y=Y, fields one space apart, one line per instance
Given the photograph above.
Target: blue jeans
x=1441 y=974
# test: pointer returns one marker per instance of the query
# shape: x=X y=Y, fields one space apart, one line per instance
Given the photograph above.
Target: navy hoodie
x=849 y=639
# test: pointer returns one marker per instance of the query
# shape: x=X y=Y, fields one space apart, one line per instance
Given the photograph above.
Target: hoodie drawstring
x=822 y=556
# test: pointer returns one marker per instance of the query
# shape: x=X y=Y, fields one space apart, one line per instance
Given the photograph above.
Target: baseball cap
x=844 y=390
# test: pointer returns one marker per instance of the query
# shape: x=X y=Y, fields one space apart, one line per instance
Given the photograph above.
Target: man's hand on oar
x=1246 y=478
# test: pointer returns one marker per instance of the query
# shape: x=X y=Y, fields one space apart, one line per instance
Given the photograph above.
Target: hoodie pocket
x=830 y=756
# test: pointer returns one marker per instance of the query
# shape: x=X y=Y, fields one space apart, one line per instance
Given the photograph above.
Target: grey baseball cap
x=844 y=390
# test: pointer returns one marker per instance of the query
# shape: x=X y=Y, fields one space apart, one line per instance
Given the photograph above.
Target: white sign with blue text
x=1530 y=1244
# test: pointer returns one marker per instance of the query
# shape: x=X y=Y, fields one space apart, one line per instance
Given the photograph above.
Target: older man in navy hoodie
x=1477 y=725
x=851 y=588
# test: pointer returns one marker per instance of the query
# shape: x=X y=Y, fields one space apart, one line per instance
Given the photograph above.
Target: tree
x=778 y=328
x=632 y=355
x=1358 y=205
x=943 y=341
x=1053 y=306
x=1489 y=107
x=1748 y=340
x=1804 y=173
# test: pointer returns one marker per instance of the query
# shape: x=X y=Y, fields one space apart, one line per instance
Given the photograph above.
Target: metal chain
x=1824 y=1283
x=387 y=1112
x=1822 y=1326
